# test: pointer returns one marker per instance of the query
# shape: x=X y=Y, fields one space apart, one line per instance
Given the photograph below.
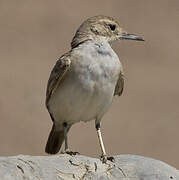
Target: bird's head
x=101 y=28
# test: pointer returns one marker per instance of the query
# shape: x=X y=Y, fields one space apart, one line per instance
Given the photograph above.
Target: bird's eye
x=112 y=27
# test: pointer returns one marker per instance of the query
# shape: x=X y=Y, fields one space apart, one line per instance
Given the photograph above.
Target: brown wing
x=120 y=84
x=57 y=74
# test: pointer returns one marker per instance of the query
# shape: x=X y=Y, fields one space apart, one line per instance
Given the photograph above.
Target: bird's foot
x=105 y=158
x=71 y=153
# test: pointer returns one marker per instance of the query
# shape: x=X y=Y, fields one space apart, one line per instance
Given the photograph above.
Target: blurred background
x=143 y=121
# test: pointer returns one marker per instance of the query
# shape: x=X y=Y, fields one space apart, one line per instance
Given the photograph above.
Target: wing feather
x=60 y=69
x=120 y=84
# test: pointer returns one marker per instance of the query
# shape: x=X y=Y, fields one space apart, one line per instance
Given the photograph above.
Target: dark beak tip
x=132 y=37
x=140 y=39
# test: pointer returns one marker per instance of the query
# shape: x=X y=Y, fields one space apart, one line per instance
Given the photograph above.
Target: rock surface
x=63 y=166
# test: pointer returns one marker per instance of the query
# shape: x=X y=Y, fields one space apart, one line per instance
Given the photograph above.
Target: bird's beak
x=127 y=36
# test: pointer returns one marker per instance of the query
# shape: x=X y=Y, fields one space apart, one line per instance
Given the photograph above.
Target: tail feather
x=55 y=141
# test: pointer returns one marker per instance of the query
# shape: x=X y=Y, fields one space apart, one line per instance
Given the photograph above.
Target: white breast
x=88 y=89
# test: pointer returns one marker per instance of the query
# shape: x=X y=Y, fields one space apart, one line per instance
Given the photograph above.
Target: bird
x=84 y=81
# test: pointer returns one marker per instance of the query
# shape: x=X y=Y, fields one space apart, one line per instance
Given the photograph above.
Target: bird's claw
x=111 y=158
x=104 y=158
x=71 y=153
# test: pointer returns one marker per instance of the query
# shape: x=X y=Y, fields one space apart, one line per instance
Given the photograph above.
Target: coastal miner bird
x=84 y=80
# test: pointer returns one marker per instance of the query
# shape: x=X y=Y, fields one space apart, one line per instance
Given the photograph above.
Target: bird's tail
x=55 y=140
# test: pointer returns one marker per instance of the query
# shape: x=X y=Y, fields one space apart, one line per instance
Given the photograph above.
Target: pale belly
x=73 y=102
x=86 y=92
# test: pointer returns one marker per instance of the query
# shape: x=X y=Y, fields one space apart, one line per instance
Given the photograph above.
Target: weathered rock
x=63 y=166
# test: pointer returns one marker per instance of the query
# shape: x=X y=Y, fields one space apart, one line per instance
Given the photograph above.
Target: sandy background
x=143 y=121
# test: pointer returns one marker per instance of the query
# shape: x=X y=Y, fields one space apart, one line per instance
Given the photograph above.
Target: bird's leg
x=104 y=156
x=67 y=150
x=100 y=139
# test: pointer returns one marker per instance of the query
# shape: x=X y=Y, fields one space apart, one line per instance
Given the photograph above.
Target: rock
x=63 y=166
